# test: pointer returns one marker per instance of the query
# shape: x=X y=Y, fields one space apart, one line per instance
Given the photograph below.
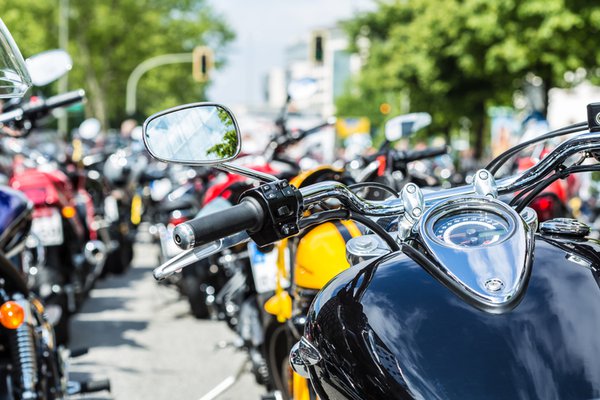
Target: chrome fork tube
x=23 y=353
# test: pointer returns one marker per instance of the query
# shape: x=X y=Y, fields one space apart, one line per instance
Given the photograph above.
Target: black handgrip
x=10 y=116
x=414 y=155
x=246 y=216
x=65 y=99
x=42 y=106
x=95 y=386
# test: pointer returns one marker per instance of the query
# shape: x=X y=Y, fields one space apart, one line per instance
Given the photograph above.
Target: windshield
x=14 y=78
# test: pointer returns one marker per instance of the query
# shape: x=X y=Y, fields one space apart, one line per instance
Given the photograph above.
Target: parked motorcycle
x=395 y=168
x=458 y=278
x=235 y=284
x=33 y=366
x=111 y=202
x=319 y=252
x=64 y=215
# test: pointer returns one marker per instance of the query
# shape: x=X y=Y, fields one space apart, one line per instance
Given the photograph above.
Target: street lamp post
x=63 y=43
x=145 y=66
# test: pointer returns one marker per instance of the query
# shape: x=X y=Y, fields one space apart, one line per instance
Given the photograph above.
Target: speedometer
x=471 y=228
x=479 y=247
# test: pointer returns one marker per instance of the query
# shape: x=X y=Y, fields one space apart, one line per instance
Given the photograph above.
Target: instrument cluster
x=469 y=223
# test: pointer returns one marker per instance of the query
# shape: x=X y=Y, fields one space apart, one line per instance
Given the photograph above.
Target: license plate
x=48 y=228
x=264 y=269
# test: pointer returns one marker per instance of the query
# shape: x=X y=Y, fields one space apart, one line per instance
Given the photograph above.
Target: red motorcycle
x=552 y=201
x=64 y=222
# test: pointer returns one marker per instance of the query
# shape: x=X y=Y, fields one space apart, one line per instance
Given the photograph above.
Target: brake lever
x=195 y=254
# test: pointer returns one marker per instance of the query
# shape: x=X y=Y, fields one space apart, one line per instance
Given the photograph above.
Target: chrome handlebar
x=319 y=192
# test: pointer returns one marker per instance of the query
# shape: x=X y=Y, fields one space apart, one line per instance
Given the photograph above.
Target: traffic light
x=317 y=47
x=385 y=108
x=203 y=62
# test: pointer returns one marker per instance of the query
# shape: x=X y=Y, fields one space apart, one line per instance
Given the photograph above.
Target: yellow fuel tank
x=321 y=253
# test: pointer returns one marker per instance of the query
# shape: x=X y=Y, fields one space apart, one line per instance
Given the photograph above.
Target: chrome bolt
x=494 y=285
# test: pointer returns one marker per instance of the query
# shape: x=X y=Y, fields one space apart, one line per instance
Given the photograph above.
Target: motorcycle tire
x=196 y=295
x=278 y=348
x=118 y=260
x=62 y=332
x=48 y=276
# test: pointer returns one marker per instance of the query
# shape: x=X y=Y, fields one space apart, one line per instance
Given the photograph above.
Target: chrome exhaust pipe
x=95 y=252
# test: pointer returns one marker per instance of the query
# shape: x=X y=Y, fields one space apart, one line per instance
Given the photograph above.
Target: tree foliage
x=454 y=58
x=108 y=39
x=227 y=148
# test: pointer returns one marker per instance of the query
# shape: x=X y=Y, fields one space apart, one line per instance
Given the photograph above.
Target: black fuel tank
x=15 y=217
x=389 y=330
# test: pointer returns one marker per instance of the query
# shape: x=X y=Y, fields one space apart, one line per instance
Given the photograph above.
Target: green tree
x=228 y=147
x=454 y=58
x=108 y=39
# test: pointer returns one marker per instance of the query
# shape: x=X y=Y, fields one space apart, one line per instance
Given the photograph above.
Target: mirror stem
x=250 y=173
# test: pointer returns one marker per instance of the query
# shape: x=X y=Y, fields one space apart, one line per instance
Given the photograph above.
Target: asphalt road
x=142 y=337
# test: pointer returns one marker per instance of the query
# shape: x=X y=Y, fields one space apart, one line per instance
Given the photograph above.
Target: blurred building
x=569 y=106
x=321 y=55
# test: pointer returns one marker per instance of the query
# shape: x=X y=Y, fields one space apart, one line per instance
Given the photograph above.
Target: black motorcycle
x=460 y=297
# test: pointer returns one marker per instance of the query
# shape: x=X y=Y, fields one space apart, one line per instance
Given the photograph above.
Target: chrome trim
x=530 y=217
x=236 y=169
x=319 y=192
x=193 y=162
x=323 y=191
x=484 y=184
x=24 y=350
x=184 y=237
x=583 y=143
x=565 y=226
x=364 y=247
x=492 y=276
x=304 y=355
x=414 y=207
x=189 y=257
x=297 y=363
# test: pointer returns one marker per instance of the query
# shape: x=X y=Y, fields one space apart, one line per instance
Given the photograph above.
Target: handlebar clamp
x=282 y=204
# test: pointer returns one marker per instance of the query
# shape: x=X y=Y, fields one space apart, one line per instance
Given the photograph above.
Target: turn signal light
x=12 y=315
x=68 y=212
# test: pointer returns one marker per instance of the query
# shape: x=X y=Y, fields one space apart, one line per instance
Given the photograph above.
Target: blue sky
x=264 y=28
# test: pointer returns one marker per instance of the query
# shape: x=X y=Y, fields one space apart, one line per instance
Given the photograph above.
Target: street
x=141 y=336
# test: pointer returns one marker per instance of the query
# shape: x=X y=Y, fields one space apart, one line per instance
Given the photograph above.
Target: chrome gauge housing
x=471 y=228
x=480 y=248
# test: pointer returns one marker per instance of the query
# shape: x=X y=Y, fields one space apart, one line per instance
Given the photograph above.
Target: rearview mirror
x=48 y=66
x=405 y=125
x=193 y=134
